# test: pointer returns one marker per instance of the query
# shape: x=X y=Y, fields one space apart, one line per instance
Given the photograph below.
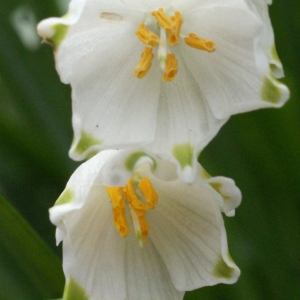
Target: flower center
x=133 y=192
x=168 y=62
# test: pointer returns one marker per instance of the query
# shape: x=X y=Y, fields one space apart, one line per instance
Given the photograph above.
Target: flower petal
x=110 y=105
x=54 y=30
x=231 y=78
x=185 y=123
x=267 y=43
x=231 y=195
x=77 y=190
x=187 y=230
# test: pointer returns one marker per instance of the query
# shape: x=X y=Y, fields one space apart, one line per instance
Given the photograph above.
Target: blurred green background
x=259 y=150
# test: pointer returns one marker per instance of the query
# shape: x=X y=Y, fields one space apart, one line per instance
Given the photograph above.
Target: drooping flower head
x=162 y=75
x=132 y=230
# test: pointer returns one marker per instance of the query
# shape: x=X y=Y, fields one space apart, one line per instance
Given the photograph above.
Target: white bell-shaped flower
x=132 y=230
x=162 y=75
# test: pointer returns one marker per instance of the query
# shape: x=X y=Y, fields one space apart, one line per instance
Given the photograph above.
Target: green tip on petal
x=205 y=174
x=60 y=31
x=184 y=154
x=271 y=91
x=274 y=54
x=74 y=292
x=217 y=187
x=133 y=158
x=222 y=270
x=86 y=141
x=66 y=197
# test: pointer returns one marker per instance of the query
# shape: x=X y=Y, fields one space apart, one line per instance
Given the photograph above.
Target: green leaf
x=28 y=268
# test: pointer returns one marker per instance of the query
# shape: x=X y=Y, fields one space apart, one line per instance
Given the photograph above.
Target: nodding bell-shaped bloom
x=163 y=75
x=132 y=230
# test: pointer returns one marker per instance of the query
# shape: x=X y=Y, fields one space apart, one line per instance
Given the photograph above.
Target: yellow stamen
x=171 y=25
x=149 y=192
x=138 y=207
x=174 y=36
x=145 y=63
x=199 y=43
x=171 y=68
x=146 y=36
x=118 y=208
x=163 y=20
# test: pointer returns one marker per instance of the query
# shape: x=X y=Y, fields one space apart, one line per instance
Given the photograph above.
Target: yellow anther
x=171 y=25
x=199 y=43
x=115 y=194
x=163 y=20
x=171 y=68
x=145 y=63
x=175 y=35
x=146 y=36
x=138 y=207
x=149 y=192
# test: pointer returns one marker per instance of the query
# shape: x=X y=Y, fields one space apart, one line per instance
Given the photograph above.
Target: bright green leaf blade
x=28 y=268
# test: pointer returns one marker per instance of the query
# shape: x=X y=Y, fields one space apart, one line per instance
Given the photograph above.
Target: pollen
x=149 y=192
x=138 y=208
x=168 y=24
x=171 y=25
x=171 y=68
x=145 y=63
x=118 y=208
x=197 y=42
x=163 y=20
x=146 y=36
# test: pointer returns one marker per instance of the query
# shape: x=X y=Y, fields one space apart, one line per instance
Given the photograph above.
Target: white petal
x=267 y=43
x=185 y=121
x=188 y=231
x=232 y=77
x=54 y=30
x=109 y=103
x=231 y=194
x=77 y=190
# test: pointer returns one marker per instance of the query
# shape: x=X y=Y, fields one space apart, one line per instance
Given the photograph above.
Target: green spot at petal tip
x=217 y=187
x=270 y=91
x=66 y=197
x=86 y=141
x=273 y=68
x=230 y=258
x=73 y=291
x=222 y=270
x=274 y=54
x=133 y=158
x=184 y=154
x=60 y=32
x=205 y=174
x=91 y=154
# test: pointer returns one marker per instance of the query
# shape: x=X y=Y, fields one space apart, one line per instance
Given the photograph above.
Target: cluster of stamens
x=132 y=193
x=168 y=62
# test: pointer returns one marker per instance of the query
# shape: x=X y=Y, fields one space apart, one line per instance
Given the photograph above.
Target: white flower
x=132 y=230
x=163 y=75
